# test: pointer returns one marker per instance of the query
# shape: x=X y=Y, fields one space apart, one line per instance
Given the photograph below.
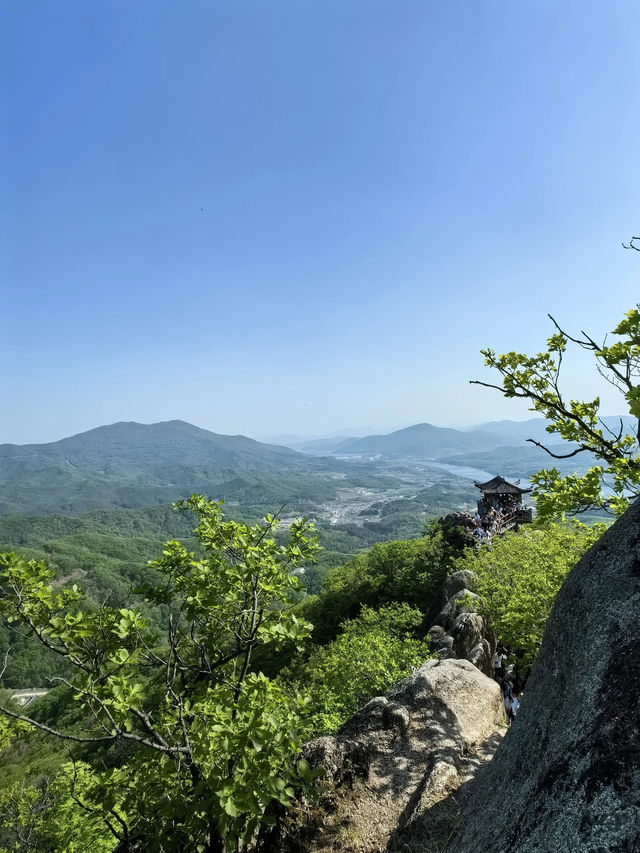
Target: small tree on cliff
x=519 y=576
x=608 y=485
x=211 y=745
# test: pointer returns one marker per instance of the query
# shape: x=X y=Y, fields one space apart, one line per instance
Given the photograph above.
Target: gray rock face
x=467 y=632
x=454 y=629
x=566 y=778
x=457 y=582
x=400 y=754
x=481 y=656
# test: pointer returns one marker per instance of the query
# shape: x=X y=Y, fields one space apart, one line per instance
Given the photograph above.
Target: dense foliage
x=519 y=576
x=371 y=653
x=49 y=818
x=359 y=652
x=200 y=725
x=107 y=551
x=406 y=571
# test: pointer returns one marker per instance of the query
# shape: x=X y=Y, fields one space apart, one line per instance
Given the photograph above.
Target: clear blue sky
x=268 y=217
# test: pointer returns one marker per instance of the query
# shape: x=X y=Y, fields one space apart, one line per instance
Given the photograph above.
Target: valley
x=97 y=507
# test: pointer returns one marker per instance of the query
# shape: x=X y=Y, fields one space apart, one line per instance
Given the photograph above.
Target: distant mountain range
x=131 y=465
x=419 y=441
x=425 y=442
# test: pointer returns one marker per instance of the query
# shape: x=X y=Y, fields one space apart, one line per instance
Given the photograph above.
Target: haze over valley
x=129 y=465
x=119 y=480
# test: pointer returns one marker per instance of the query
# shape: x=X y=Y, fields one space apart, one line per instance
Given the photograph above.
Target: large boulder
x=566 y=778
x=402 y=753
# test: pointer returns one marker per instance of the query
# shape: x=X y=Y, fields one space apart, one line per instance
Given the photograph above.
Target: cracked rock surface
x=400 y=756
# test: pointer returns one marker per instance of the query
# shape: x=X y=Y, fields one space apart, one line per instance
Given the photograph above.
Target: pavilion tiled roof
x=499 y=486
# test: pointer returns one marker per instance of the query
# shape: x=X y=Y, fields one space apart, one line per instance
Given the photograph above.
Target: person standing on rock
x=508 y=708
x=497 y=666
x=507 y=693
x=515 y=704
x=500 y=650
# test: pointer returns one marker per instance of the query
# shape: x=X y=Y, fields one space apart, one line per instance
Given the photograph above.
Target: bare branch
x=6 y=660
x=630 y=244
x=497 y=388
x=616 y=436
x=118 y=734
x=270 y=525
x=607 y=449
x=557 y=455
x=146 y=722
x=585 y=344
x=55 y=732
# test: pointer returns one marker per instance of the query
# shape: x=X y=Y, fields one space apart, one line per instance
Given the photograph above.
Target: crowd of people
x=505 y=674
x=492 y=516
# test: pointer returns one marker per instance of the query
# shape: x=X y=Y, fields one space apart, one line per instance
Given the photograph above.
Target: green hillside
x=134 y=465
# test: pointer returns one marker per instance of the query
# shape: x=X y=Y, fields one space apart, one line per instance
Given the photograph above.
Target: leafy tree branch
x=537 y=379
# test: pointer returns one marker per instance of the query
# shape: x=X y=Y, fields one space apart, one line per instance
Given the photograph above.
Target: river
x=465 y=471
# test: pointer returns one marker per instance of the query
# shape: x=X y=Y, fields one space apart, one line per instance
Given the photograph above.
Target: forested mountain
x=517 y=432
x=518 y=457
x=132 y=465
x=421 y=441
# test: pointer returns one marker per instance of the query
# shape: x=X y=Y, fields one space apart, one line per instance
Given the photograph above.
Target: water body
x=464 y=471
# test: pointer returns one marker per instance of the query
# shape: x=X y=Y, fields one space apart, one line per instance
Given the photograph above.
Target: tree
x=46 y=818
x=611 y=484
x=519 y=576
x=403 y=570
x=211 y=745
x=372 y=652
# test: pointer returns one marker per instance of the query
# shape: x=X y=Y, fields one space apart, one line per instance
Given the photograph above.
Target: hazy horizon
x=346 y=432
x=285 y=438
x=284 y=218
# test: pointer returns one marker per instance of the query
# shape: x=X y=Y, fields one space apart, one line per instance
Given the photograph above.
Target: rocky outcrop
x=401 y=754
x=453 y=627
x=566 y=778
x=461 y=523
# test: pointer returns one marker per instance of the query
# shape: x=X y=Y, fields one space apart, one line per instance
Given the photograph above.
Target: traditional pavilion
x=504 y=496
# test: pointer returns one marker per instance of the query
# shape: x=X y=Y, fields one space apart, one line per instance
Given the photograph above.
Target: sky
x=299 y=217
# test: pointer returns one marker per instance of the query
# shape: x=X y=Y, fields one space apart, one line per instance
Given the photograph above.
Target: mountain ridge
x=429 y=442
x=132 y=464
x=422 y=440
x=128 y=464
